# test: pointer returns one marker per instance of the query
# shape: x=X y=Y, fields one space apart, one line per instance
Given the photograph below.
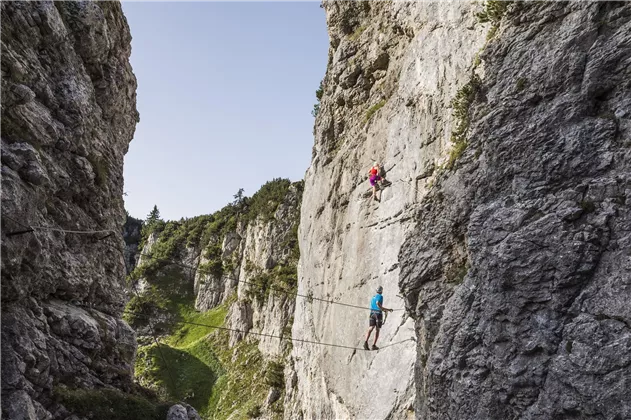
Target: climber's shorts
x=376 y=319
x=374 y=179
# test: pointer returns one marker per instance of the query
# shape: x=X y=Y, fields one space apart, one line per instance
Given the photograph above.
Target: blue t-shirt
x=373 y=302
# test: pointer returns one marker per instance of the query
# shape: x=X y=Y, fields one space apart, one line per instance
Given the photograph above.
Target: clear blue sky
x=225 y=92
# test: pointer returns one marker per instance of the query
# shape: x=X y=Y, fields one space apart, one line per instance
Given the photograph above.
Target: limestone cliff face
x=68 y=114
x=393 y=70
x=518 y=271
x=267 y=246
x=253 y=251
x=235 y=268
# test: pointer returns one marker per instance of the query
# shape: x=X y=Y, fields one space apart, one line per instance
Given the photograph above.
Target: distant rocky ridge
x=235 y=268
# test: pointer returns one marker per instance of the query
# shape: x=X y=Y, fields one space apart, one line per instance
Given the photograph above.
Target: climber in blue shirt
x=376 y=318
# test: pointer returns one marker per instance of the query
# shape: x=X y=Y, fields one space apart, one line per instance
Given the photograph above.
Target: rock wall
x=268 y=245
x=240 y=260
x=518 y=272
x=393 y=70
x=132 y=236
x=256 y=248
x=68 y=115
x=505 y=232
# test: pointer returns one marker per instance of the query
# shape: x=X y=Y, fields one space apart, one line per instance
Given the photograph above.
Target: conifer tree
x=154 y=215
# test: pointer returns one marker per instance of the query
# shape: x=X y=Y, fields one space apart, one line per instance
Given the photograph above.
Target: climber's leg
x=379 y=322
x=373 y=182
x=369 y=333
x=373 y=322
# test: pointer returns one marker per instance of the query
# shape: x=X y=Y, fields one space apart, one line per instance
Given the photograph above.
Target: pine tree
x=153 y=223
x=154 y=215
x=316 y=107
x=238 y=198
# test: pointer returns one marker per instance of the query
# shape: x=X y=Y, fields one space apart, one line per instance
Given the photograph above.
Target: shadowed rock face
x=68 y=115
x=518 y=272
x=132 y=236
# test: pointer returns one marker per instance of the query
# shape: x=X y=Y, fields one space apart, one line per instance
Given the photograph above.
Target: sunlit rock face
x=505 y=230
x=241 y=260
x=68 y=115
x=259 y=246
x=393 y=70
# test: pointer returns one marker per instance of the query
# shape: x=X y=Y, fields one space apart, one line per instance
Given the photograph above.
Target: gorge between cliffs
x=502 y=240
